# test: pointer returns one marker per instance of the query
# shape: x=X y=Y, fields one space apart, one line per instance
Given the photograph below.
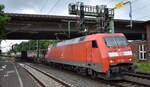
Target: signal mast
x=104 y=17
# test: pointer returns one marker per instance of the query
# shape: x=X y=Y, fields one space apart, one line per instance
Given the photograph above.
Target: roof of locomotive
x=85 y=38
x=94 y=36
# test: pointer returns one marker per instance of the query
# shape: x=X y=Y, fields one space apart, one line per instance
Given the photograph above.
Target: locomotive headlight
x=111 y=61
x=113 y=54
x=130 y=59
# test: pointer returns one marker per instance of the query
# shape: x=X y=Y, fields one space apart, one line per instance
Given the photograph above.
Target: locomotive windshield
x=116 y=41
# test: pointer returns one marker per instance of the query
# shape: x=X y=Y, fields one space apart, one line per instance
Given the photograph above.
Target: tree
x=3 y=20
x=31 y=45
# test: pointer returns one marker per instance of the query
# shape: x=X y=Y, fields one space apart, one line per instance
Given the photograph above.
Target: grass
x=143 y=66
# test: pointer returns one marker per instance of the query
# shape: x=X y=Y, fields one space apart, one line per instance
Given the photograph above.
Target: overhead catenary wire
x=53 y=6
x=44 y=4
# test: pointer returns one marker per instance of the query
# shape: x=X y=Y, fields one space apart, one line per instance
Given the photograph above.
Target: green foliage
x=143 y=66
x=3 y=20
x=31 y=45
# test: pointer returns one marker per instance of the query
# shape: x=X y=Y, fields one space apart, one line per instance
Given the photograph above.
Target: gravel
x=73 y=78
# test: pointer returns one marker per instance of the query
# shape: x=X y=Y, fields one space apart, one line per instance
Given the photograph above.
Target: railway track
x=143 y=73
x=126 y=84
x=139 y=74
x=45 y=79
x=130 y=81
x=75 y=83
x=139 y=78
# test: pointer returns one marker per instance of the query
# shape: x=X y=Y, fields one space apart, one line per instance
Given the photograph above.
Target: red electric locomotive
x=99 y=55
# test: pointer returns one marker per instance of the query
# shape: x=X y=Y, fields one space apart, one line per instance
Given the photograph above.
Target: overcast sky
x=7 y=44
x=60 y=7
x=141 y=9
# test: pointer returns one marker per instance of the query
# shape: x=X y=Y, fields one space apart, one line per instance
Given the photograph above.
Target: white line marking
x=20 y=81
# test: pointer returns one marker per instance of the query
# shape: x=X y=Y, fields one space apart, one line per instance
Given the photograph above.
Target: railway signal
x=104 y=16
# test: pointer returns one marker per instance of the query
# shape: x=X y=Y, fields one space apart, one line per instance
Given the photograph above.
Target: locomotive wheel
x=93 y=75
x=60 y=67
x=108 y=75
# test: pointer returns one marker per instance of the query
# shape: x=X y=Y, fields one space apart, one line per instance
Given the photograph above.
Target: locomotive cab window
x=116 y=41
x=94 y=44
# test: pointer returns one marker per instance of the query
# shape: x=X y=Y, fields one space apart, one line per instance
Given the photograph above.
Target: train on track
x=98 y=55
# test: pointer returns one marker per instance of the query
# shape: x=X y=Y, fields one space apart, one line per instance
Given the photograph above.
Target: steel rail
x=65 y=84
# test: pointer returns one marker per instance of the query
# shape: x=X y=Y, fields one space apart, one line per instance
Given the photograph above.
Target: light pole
x=130 y=14
x=131 y=24
x=37 y=48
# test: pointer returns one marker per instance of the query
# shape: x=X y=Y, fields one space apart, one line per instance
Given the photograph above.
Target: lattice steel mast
x=104 y=16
